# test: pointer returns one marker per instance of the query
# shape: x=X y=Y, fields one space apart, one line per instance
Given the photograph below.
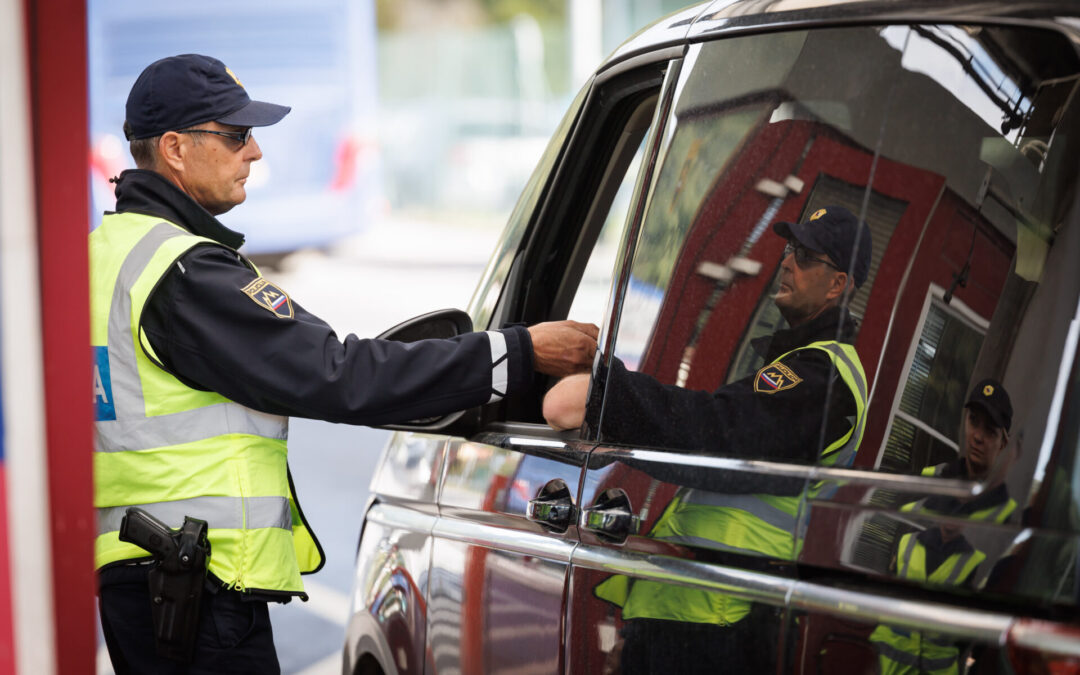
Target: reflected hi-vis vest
x=996 y=512
x=903 y=652
x=754 y=524
x=176 y=451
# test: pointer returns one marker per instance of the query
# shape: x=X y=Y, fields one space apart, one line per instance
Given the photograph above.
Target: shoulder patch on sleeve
x=270 y=297
x=775 y=377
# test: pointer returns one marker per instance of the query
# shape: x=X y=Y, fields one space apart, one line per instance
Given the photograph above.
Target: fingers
x=590 y=329
x=562 y=348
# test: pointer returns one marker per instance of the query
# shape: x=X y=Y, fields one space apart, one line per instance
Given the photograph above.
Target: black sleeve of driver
x=217 y=326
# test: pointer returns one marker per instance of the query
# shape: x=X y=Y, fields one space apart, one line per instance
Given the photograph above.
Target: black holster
x=176 y=580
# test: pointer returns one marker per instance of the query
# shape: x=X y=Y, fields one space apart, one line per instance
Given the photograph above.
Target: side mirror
x=440 y=324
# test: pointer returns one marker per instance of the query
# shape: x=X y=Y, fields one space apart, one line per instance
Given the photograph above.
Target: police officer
x=826 y=258
x=986 y=458
x=199 y=361
x=940 y=555
x=774 y=414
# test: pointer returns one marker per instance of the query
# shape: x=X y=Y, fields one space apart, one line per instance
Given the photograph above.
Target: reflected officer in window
x=987 y=458
x=774 y=413
x=812 y=370
x=941 y=555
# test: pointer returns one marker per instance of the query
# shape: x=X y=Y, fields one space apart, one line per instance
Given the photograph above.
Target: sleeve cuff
x=514 y=373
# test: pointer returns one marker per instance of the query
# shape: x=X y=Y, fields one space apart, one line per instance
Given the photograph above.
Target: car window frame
x=568 y=216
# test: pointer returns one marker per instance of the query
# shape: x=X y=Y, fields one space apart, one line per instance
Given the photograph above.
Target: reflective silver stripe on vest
x=751 y=504
x=127 y=390
x=997 y=514
x=954 y=574
x=917 y=661
x=143 y=433
x=845 y=455
x=905 y=558
x=916 y=507
x=132 y=429
x=223 y=513
x=961 y=563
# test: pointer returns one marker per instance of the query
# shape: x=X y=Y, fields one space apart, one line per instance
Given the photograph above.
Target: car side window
x=953 y=145
x=591 y=297
x=567 y=251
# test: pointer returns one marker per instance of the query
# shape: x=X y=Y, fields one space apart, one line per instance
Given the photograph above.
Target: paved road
x=365 y=285
x=332 y=467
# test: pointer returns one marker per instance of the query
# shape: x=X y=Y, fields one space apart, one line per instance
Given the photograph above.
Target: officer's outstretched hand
x=561 y=348
x=564 y=404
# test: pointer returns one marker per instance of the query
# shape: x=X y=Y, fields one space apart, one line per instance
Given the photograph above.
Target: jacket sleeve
x=741 y=419
x=212 y=332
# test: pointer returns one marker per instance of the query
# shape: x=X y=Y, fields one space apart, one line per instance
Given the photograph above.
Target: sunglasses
x=803 y=256
x=240 y=137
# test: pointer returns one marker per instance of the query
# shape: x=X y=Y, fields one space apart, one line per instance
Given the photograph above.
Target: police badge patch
x=268 y=296
x=775 y=377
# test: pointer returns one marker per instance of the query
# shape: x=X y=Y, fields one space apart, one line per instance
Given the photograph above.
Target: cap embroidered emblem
x=270 y=297
x=817 y=214
x=988 y=390
x=233 y=76
x=775 y=377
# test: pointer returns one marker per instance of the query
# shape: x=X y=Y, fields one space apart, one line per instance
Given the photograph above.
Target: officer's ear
x=837 y=286
x=171 y=151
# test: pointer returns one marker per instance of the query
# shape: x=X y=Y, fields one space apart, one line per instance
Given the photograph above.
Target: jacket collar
x=819 y=329
x=931 y=538
x=991 y=498
x=151 y=194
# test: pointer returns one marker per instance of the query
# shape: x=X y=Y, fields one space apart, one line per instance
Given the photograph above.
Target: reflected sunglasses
x=803 y=256
x=240 y=137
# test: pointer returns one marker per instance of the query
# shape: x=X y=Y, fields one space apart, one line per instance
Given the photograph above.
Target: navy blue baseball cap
x=992 y=397
x=832 y=230
x=181 y=91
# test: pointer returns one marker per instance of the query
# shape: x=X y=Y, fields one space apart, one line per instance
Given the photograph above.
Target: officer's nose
x=788 y=261
x=252 y=149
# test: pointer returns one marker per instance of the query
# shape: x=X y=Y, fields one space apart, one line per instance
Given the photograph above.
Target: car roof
x=728 y=17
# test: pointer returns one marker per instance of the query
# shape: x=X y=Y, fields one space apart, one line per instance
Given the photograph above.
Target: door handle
x=611 y=517
x=553 y=506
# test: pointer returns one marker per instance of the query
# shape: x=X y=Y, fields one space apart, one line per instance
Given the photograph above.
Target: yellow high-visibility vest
x=996 y=513
x=754 y=524
x=909 y=652
x=176 y=451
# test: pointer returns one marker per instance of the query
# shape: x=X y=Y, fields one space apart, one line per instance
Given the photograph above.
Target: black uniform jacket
x=739 y=419
x=213 y=336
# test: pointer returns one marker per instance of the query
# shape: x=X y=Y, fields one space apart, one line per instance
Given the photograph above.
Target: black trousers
x=234 y=630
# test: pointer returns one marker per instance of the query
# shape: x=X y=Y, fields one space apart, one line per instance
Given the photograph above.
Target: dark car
x=493 y=543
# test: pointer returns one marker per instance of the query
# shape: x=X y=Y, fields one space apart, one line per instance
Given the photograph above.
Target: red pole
x=57 y=73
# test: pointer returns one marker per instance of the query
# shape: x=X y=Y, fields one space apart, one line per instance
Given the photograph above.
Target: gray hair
x=144 y=150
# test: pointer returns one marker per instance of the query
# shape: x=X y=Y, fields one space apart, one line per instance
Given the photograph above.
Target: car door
x=652 y=588
x=507 y=502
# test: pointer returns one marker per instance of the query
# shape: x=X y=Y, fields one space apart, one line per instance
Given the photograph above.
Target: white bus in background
x=319 y=178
